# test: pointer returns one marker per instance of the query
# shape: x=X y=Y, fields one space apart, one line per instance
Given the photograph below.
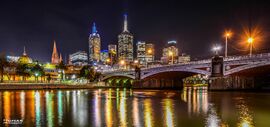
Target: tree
x=37 y=71
x=61 y=67
x=23 y=70
x=89 y=73
x=3 y=64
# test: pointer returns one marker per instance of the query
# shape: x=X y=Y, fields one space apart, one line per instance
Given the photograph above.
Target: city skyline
x=69 y=29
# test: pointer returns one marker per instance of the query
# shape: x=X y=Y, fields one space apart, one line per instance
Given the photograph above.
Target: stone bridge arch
x=131 y=76
x=184 y=70
x=246 y=67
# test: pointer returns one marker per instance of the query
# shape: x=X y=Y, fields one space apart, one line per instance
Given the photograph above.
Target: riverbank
x=38 y=86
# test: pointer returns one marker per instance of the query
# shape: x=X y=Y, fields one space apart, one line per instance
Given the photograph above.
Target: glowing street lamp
x=216 y=49
x=250 y=41
x=227 y=35
x=171 y=54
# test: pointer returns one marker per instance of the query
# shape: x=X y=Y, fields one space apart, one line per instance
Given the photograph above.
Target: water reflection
x=148 y=113
x=196 y=99
x=169 y=112
x=125 y=107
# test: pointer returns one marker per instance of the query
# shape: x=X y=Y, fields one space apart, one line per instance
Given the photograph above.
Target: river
x=127 y=107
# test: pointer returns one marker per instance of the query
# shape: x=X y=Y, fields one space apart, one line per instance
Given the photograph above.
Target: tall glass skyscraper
x=94 y=45
x=125 y=43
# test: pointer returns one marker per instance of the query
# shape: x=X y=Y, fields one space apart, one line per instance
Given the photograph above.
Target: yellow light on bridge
x=122 y=62
x=250 y=40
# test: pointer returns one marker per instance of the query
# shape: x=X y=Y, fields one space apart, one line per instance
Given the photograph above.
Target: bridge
x=233 y=65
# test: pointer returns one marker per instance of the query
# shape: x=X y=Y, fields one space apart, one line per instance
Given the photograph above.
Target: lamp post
x=227 y=35
x=216 y=49
x=122 y=63
x=250 y=42
x=149 y=54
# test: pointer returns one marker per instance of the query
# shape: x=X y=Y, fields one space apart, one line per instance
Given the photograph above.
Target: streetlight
x=216 y=49
x=227 y=35
x=171 y=54
x=122 y=63
x=250 y=42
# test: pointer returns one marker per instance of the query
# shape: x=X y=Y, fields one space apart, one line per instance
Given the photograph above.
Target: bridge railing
x=205 y=61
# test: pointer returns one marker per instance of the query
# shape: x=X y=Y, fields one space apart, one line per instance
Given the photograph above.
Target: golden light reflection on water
x=97 y=107
x=196 y=99
x=148 y=113
x=135 y=111
x=7 y=105
x=108 y=108
x=245 y=117
x=169 y=112
x=123 y=109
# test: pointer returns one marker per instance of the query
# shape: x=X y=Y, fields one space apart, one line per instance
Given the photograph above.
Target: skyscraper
x=145 y=52
x=94 y=45
x=141 y=52
x=125 y=43
x=112 y=49
x=170 y=53
x=55 y=57
x=78 y=58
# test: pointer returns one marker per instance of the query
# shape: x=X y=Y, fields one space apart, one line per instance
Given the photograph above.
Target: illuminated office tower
x=170 y=53
x=112 y=49
x=78 y=58
x=149 y=52
x=141 y=52
x=94 y=45
x=125 y=43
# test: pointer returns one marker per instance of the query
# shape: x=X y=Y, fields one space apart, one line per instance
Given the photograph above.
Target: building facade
x=94 y=45
x=170 y=53
x=78 y=58
x=149 y=52
x=184 y=58
x=125 y=44
x=141 y=52
x=112 y=49
x=104 y=55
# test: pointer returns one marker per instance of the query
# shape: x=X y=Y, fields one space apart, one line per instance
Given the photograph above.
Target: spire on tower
x=24 y=51
x=125 y=23
x=55 y=57
x=60 y=58
x=94 y=29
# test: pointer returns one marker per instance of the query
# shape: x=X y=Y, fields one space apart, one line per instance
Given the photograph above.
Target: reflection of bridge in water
x=232 y=72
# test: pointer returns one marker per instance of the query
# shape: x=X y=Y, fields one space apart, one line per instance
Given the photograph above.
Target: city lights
x=216 y=49
x=250 y=42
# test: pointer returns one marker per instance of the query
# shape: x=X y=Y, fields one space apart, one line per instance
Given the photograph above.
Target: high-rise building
x=184 y=58
x=104 y=55
x=78 y=58
x=55 y=57
x=145 y=52
x=112 y=49
x=125 y=43
x=94 y=45
x=141 y=52
x=170 y=53
x=150 y=52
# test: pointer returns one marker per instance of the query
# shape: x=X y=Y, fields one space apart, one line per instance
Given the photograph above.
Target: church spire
x=94 y=29
x=60 y=58
x=55 y=57
x=125 y=23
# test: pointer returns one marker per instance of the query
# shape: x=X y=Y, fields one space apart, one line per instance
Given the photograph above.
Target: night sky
x=197 y=26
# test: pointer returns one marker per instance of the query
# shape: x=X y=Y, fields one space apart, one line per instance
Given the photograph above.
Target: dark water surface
x=125 y=107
